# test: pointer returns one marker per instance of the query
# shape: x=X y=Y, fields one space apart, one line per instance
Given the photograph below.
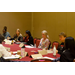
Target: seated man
x=5 y=33
x=61 y=48
x=62 y=37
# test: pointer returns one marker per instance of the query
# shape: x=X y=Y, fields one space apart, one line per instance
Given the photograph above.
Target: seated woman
x=3 y=51
x=69 y=54
x=5 y=33
x=44 y=43
x=28 y=39
x=18 y=37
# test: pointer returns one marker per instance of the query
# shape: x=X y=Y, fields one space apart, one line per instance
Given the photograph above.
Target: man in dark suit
x=62 y=37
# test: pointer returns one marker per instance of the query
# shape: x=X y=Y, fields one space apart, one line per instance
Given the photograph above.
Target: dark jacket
x=29 y=41
x=61 y=48
x=66 y=56
x=18 y=38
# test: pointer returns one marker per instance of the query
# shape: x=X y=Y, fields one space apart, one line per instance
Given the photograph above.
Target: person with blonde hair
x=44 y=43
x=18 y=36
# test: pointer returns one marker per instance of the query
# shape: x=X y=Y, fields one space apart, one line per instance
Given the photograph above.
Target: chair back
x=56 y=44
x=37 y=42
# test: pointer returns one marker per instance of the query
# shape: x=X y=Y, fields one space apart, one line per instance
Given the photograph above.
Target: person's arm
x=7 y=35
x=30 y=41
x=40 y=44
x=47 y=44
x=20 y=39
x=4 y=52
x=63 y=58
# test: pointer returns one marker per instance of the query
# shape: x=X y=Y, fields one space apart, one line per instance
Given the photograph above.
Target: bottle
x=23 y=51
x=35 y=45
x=54 y=51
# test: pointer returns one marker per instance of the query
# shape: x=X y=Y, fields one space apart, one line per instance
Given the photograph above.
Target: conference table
x=30 y=51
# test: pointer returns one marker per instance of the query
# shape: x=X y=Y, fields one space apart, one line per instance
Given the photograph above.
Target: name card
x=42 y=52
x=21 y=45
x=35 y=56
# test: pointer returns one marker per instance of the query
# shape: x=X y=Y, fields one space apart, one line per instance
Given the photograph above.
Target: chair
x=56 y=44
x=23 y=38
x=42 y=60
x=37 y=42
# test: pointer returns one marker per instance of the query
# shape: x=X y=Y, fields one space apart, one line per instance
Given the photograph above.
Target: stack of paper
x=29 y=47
x=35 y=56
x=12 y=57
x=8 y=42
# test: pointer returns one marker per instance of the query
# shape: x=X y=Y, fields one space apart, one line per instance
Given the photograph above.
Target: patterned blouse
x=44 y=44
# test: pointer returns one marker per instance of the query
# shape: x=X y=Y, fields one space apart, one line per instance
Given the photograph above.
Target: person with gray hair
x=18 y=37
x=44 y=43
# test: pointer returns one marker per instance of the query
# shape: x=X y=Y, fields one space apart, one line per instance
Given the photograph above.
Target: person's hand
x=56 y=51
x=11 y=53
x=51 y=49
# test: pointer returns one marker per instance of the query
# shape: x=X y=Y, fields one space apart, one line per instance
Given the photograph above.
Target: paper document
x=35 y=56
x=42 y=52
x=45 y=58
x=49 y=51
x=29 y=47
x=12 y=57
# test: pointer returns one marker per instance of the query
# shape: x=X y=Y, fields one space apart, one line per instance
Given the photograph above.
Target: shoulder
x=47 y=40
x=41 y=39
x=7 y=32
x=31 y=37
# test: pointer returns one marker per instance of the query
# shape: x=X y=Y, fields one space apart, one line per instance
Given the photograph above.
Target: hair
x=70 y=45
x=62 y=34
x=45 y=33
x=18 y=30
x=1 y=38
x=5 y=28
x=28 y=32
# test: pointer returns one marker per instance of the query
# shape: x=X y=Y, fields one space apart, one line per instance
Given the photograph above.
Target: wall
x=14 y=20
x=54 y=23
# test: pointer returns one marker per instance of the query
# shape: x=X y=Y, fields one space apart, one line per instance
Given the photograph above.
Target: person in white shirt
x=3 y=51
x=44 y=43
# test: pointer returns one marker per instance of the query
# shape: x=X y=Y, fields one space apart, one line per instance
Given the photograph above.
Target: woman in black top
x=69 y=54
x=28 y=39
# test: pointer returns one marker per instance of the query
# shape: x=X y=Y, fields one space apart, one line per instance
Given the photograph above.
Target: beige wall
x=14 y=20
x=54 y=23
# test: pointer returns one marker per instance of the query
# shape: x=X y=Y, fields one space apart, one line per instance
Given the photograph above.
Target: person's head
x=18 y=32
x=70 y=45
x=4 y=29
x=1 y=38
x=45 y=34
x=27 y=33
x=62 y=36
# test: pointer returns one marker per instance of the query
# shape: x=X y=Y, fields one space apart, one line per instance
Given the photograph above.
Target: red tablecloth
x=15 y=47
